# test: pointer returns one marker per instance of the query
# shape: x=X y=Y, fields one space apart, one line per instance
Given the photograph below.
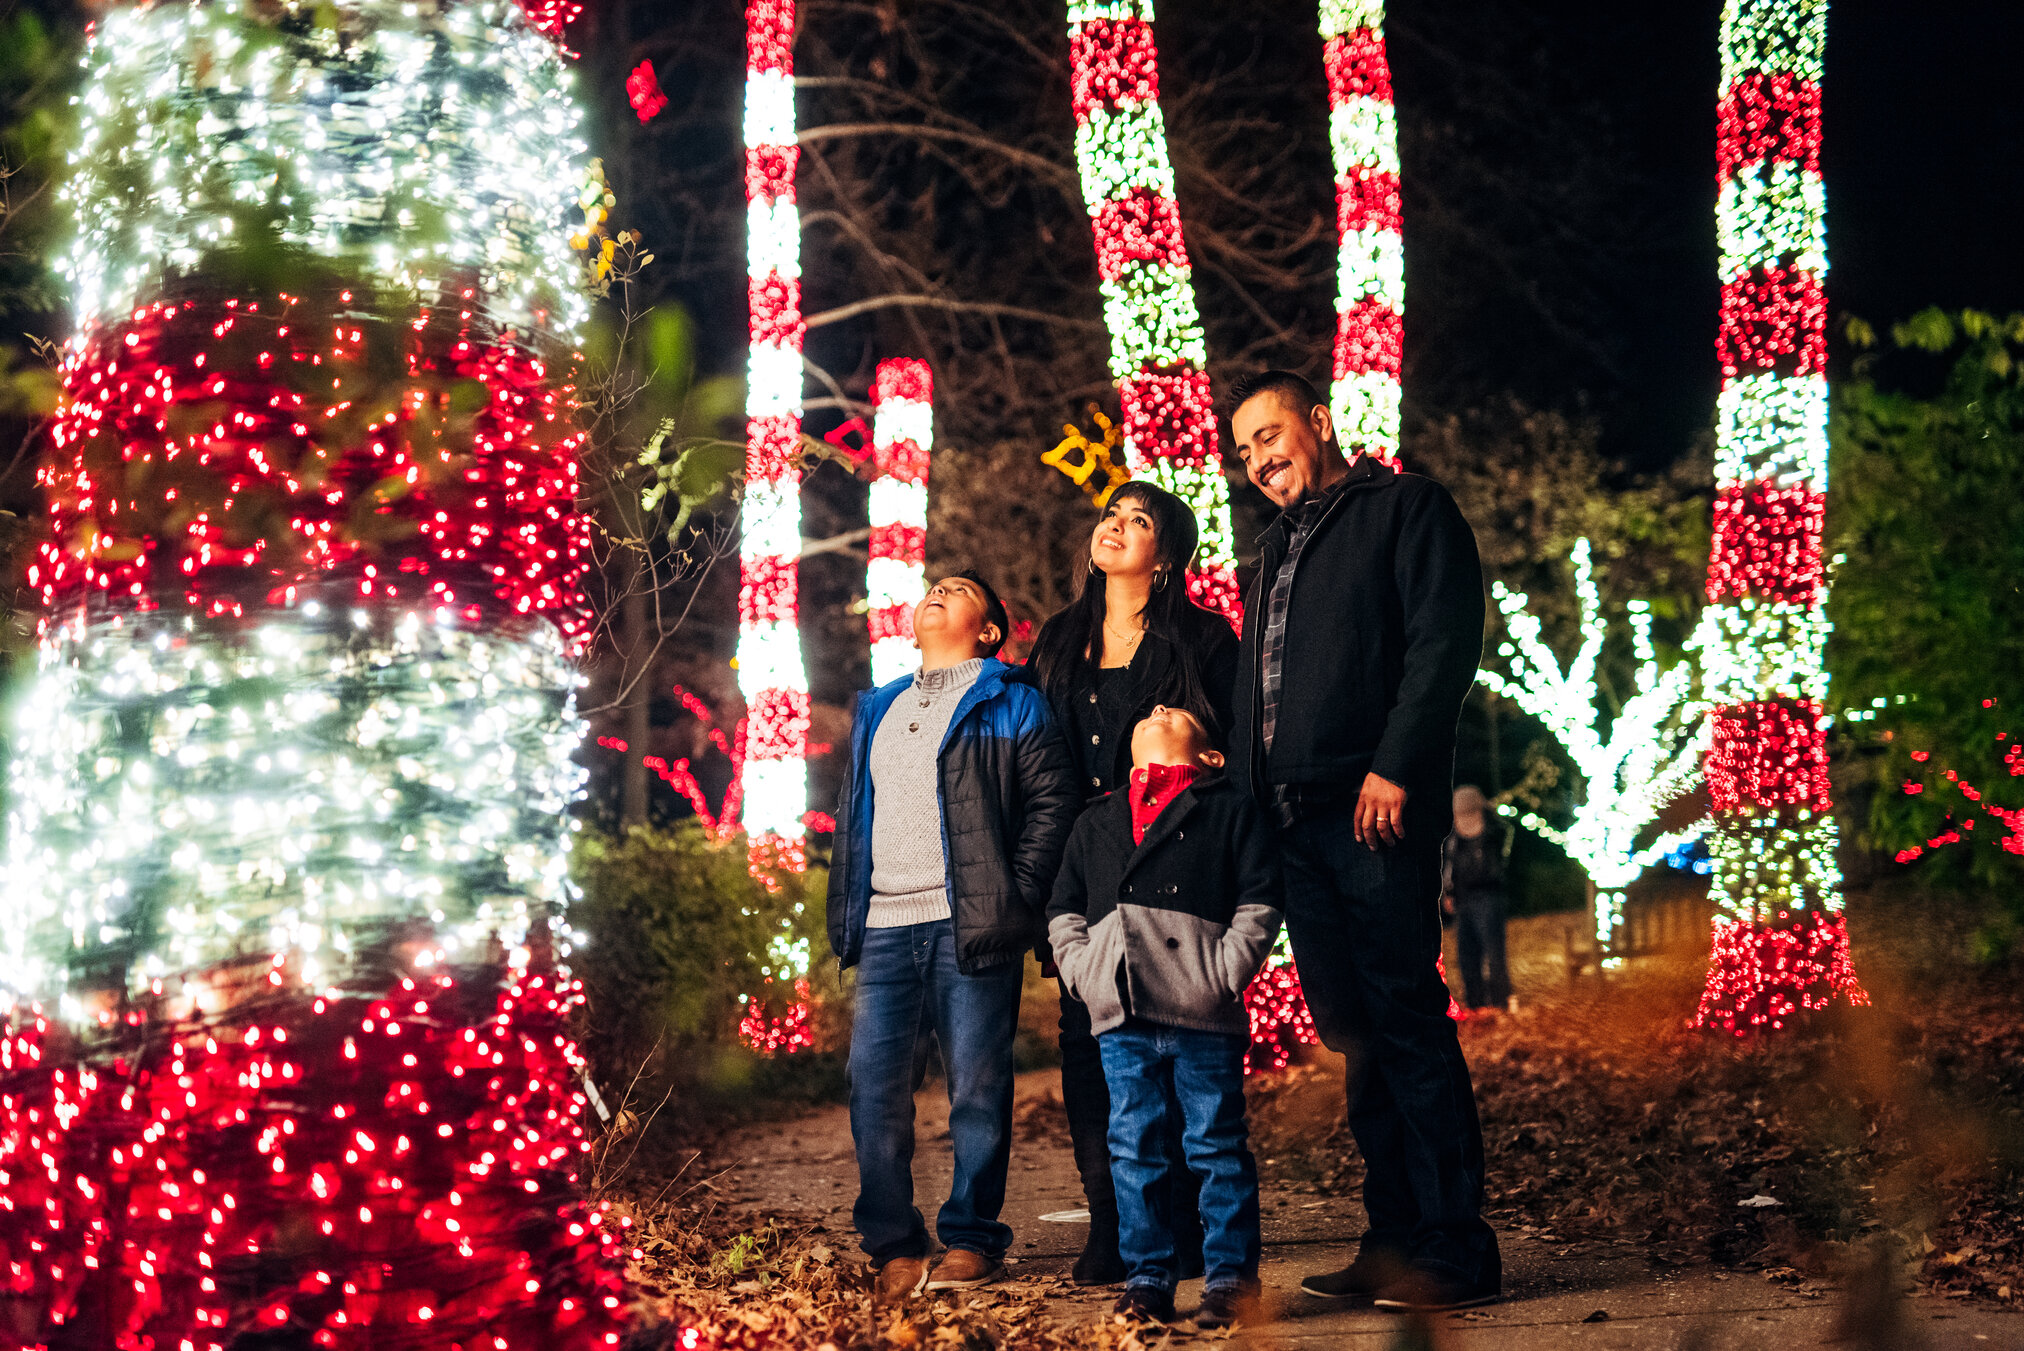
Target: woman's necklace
x=1130 y=643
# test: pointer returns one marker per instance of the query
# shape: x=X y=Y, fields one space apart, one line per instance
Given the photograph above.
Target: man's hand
x=1380 y=813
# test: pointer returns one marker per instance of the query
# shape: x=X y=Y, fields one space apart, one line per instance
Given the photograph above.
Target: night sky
x=1609 y=109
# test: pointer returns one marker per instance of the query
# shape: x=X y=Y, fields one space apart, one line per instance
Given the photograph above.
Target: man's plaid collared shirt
x=1303 y=518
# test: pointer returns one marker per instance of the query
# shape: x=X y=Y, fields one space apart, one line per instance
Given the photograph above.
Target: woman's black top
x=1098 y=708
x=1095 y=714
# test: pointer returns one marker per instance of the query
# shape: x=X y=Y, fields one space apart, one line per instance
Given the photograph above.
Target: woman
x=1132 y=640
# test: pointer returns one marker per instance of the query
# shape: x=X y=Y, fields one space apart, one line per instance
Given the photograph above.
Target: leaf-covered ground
x=1892 y=1135
x=1604 y=1116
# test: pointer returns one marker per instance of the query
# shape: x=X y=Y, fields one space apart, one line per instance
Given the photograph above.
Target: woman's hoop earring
x=1092 y=567
x=1160 y=579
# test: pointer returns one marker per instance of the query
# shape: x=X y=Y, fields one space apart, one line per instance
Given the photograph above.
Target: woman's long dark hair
x=1070 y=646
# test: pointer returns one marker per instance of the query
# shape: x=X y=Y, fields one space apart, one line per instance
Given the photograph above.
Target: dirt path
x=803 y=1170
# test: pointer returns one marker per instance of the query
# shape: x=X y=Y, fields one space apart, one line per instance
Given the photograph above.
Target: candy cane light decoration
x=1157 y=353
x=1370 y=267
x=903 y=438
x=1780 y=943
x=770 y=671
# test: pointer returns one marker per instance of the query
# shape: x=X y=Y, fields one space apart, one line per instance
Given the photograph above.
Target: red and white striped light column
x=770 y=671
x=903 y=439
x=1157 y=353
x=1780 y=944
x=1370 y=267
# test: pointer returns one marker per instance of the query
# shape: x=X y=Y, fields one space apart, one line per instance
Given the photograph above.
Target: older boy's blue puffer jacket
x=1008 y=799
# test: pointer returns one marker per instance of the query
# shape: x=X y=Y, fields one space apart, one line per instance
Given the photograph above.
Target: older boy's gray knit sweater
x=909 y=877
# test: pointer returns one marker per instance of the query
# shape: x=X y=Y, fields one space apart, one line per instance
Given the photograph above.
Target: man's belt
x=1295 y=801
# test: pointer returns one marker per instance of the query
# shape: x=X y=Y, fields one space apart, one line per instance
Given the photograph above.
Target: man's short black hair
x=994 y=609
x=1298 y=392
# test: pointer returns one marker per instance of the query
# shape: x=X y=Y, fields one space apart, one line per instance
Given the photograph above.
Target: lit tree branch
x=1649 y=755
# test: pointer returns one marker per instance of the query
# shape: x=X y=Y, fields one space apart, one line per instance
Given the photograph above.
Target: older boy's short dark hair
x=994 y=609
x=1298 y=392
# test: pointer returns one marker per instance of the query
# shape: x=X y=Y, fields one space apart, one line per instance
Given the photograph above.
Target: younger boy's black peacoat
x=1172 y=930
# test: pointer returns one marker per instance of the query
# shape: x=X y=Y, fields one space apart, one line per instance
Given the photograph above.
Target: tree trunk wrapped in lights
x=1157 y=353
x=895 y=577
x=1370 y=271
x=1780 y=943
x=286 y=1054
x=1649 y=758
x=771 y=674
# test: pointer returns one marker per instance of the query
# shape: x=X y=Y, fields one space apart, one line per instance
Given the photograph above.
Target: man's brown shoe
x=900 y=1279
x=961 y=1269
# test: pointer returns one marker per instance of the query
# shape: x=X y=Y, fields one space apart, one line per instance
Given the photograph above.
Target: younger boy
x=1165 y=907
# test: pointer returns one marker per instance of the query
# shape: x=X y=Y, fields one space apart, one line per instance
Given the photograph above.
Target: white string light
x=1649 y=757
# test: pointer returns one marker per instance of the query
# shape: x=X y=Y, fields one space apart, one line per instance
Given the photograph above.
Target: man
x=1361 y=637
x=955 y=808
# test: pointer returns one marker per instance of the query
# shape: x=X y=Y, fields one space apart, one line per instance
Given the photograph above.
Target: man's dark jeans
x=1085 y=1099
x=1479 y=943
x=907 y=981
x=1154 y=1073
x=1366 y=931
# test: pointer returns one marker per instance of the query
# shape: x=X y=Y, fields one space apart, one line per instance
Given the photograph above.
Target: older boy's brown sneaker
x=900 y=1279
x=961 y=1269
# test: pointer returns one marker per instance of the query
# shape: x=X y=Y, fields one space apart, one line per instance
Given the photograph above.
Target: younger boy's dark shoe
x=1419 y=1291
x=1228 y=1305
x=1145 y=1304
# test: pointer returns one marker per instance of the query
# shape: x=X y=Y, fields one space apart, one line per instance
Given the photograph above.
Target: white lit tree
x=1648 y=756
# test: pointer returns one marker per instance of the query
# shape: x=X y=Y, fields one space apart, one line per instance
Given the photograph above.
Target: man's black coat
x=1383 y=633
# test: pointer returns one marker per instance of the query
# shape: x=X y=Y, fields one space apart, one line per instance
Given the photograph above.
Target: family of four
x=1145 y=801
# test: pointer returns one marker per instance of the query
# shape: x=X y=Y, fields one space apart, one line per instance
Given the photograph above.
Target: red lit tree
x=287 y=1056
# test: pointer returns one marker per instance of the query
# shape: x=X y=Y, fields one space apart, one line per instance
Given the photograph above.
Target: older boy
x=1165 y=908
x=949 y=828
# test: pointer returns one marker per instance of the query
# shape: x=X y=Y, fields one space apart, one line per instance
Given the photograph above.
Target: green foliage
x=1926 y=525
x=37 y=67
x=677 y=930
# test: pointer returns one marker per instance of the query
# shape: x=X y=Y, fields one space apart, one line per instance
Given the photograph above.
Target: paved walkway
x=1560 y=1294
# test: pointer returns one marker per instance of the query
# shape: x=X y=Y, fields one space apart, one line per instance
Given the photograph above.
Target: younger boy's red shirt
x=1152 y=788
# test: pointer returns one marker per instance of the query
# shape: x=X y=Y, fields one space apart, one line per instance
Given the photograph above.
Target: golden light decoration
x=1094 y=465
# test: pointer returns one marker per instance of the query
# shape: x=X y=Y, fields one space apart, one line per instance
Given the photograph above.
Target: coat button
x=1180 y=834
x=1096 y=783
x=1173 y=942
x=1096 y=741
x=1127 y=888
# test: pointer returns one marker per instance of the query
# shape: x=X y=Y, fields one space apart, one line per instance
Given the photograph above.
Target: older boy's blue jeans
x=1206 y=1074
x=907 y=982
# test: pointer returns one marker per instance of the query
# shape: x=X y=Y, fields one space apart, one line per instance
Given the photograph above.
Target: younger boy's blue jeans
x=1206 y=1074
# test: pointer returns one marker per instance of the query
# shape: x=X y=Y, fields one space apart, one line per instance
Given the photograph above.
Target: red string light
x=1767 y=756
x=233 y=453
x=381 y=1165
x=1760 y=975
x=783 y=1033
x=643 y=91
